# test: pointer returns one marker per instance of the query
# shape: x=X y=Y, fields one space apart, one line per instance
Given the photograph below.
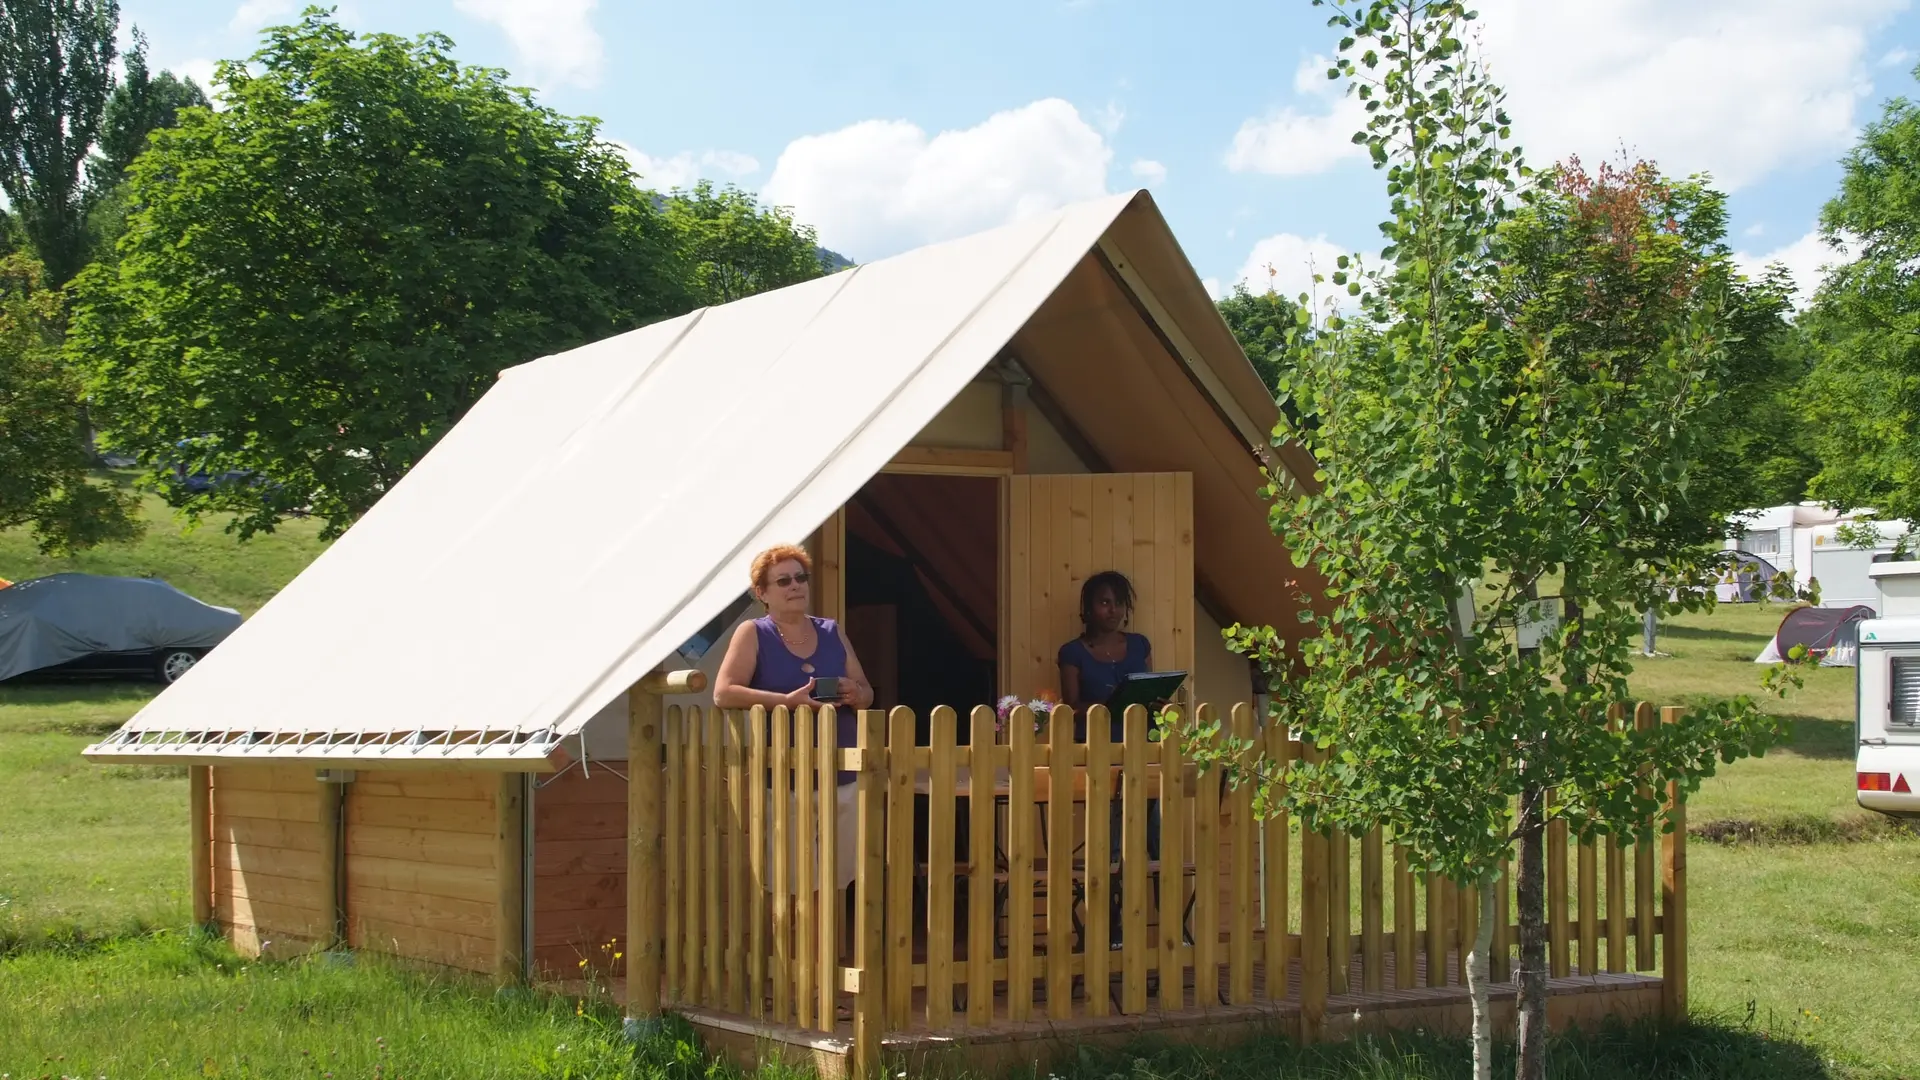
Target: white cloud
x=1212 y=285
x=1807 y=259
x=1758 y=228
x=200 y=70
x=684 y=168
x=1734 y=87
x=1149 y=172
x=1286 y=263
x=1290 y=142
x=554 y=40
x=880 y=187
x=1737 y=88
x=1896 y=56
x=1110 y=117
x=253 y=15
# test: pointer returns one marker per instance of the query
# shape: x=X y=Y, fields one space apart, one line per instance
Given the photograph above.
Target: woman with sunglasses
x=781 y=657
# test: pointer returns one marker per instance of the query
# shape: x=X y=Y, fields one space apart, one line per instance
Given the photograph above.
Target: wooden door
x=1062 y=530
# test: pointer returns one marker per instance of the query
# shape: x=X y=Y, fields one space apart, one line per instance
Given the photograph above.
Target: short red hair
x=764 y=562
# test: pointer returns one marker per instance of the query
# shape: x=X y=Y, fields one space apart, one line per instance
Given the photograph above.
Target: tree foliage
x=734 y=247
x=141 y=103
x=1511 y=400
x=317 y=281
x=1863 y=394
x=1268 y=328
x=43 y=462
x=56 y=60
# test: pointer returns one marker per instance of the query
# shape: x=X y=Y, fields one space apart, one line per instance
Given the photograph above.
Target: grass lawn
x=1805 y=956
x=88 y=849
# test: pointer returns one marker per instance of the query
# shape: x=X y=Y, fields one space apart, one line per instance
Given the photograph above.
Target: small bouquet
x=1041 y=705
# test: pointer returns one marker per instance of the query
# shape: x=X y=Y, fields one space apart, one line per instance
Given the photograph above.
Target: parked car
x=91 y=626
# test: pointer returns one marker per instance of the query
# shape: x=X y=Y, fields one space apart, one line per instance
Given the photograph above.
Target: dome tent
x=1741 y=577
x=1831 y=635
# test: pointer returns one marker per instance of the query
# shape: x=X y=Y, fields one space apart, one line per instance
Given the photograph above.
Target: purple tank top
x=777 y=670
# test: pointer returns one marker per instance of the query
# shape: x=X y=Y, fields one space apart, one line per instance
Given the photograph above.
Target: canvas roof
x=596 y=507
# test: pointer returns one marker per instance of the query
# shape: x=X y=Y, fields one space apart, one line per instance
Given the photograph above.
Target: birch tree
x=1469 y=427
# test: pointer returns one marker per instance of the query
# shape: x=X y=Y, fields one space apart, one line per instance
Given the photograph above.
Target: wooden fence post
x=200 y=831
x=645 y=790
x=1313 y=923
x=869 y=942
x=1673 y=897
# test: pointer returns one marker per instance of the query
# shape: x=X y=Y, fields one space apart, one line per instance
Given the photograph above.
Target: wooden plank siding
x=1064 y=529
x=416 y=888
x=264 y=866
x=580 y=872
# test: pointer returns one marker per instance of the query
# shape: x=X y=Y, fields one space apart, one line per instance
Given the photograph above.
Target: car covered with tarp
x=93 y=625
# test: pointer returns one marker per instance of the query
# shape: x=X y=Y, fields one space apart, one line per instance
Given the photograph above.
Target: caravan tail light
x=1876 y=781
x=1900 y=785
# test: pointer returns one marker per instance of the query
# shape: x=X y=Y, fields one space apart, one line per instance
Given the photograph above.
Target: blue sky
x=890 y=125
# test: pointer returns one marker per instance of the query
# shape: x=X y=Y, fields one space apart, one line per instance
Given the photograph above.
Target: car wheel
x=174 y=663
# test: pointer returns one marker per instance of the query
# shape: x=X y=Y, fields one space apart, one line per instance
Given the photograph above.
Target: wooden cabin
x=452 y=736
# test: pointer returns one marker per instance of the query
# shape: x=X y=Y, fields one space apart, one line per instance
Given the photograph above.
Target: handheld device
x=1145 y=688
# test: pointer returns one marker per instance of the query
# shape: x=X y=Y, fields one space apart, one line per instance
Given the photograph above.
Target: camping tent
x=1742 y=577
x=1831 y=635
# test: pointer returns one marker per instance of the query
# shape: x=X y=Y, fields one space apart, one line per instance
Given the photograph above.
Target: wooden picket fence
x=1230 y=911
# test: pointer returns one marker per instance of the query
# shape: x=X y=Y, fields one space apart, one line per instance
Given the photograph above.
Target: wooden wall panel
x=580 y=873
x=265 y=872
x=420 y=876
x=1063 y=529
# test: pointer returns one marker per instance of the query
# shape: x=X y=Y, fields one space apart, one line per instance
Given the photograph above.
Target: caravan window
x=1903 y=703
x=1761 y=543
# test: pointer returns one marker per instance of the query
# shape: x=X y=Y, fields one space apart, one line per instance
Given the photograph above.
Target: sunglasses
x=785 y=580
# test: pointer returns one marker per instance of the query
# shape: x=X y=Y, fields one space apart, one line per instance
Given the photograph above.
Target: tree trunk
x=1477 y=966
x=1531 y=899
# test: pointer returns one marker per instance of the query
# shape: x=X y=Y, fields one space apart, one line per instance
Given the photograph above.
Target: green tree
x=1483 y=416
x=43 y=467
x=139 y=105
x=1572 y=282
x=734 y=247
x=1862 y=398
x=56 y=60
x=319 y=280
x=1267 y=326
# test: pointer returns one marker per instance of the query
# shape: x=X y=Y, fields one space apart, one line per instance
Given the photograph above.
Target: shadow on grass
x=70 y=706
x=1709 y=1049
x=1719 y=635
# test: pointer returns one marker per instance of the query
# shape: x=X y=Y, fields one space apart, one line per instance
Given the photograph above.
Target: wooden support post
x=646 y=787
x=869 y=942
x=1673 y=896
x=509 y=868
x=200 y=833
x=1013 y=423
x=331 y=929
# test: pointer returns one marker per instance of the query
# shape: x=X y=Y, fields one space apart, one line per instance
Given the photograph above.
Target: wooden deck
x=1578 y=999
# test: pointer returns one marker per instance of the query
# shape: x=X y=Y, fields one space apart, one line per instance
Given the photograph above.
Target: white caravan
x=1800 y=538
x=1887 y=695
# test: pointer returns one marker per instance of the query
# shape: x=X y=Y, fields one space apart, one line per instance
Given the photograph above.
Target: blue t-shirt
x=1100 y=678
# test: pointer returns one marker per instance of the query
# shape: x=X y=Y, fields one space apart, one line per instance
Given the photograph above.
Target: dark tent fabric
x=1741 y=577
x=52 y=620
x=1831 y=635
